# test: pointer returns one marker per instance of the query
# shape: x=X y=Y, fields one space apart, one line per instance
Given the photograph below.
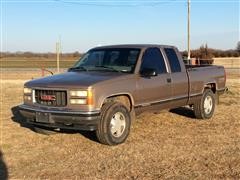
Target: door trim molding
x=165 y=100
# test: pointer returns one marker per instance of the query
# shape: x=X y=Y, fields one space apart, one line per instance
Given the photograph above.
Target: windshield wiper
x=107 y=67
x=78 y=68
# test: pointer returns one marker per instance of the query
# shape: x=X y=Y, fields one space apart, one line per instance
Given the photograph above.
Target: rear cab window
x=173 y=60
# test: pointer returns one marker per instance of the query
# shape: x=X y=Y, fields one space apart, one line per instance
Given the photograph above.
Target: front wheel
x=114 y=125
x=204 y=108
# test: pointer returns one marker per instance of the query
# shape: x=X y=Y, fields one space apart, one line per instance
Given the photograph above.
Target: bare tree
x=238 y=47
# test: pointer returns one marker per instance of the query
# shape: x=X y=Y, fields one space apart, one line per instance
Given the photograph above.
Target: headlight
x=27 y=98
x=79 y=93
x=81 y=97
x=27 y=90
x=27 y=95
x=78 y=101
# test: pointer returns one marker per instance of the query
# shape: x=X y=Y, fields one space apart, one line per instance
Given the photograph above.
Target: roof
x=140 y=46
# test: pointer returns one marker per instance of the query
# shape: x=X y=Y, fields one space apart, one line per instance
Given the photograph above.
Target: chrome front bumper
x=64 y=119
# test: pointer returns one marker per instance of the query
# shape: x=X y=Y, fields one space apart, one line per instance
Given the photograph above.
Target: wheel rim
x=118 y=124
x=208 y=105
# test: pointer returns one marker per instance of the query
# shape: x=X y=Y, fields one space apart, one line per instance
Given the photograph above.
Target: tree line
x=49 y=55
x=204 y=52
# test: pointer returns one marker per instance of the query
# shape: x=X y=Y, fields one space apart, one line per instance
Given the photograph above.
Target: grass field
x=228 y=62
x=34 y=63
x=15 y=62
x=162 y=145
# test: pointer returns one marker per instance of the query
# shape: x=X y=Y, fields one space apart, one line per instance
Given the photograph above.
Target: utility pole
x=189 y=52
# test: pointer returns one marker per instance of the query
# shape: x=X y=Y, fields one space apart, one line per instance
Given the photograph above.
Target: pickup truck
x=110 y=85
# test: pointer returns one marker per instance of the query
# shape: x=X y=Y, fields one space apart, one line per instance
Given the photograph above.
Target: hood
x=73 y=79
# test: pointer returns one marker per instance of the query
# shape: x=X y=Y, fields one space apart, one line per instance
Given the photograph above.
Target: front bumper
x=66 y=119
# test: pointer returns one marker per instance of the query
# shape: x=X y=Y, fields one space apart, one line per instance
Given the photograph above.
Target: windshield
x=110 y=59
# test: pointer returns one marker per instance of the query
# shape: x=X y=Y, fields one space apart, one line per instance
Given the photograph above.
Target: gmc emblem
x=48 y=97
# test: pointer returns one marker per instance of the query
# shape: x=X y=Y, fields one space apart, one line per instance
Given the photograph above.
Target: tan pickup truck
x=104 y=90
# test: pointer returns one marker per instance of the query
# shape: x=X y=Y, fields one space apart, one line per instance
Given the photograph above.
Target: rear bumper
x=60 y=119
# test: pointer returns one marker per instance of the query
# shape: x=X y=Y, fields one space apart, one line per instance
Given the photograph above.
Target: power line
x=99 y=3
x=118 y=3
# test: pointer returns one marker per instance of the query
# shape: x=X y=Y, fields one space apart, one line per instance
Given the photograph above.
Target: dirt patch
x=161 y=145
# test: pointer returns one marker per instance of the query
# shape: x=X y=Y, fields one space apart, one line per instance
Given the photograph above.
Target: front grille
x=51 y=97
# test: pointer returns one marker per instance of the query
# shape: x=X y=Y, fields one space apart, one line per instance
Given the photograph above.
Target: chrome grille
x=51 y=97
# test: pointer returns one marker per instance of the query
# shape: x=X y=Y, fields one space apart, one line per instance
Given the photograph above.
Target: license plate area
x=42 y=117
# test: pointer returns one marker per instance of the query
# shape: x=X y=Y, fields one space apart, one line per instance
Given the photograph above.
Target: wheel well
x=124 y=99
x=211 y=86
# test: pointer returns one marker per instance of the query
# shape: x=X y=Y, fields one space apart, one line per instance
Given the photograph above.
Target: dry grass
x=233 y=62
x=36 y=62
x=161 y=145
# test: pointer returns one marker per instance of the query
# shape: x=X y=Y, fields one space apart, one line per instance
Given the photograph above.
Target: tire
x=43 y=130
x=114 y=125
x=204 y=108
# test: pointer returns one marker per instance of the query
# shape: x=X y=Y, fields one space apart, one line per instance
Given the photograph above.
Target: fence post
x=42 y=71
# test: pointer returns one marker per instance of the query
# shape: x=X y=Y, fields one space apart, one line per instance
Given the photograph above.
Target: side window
x=173 y=60
x=153 y=59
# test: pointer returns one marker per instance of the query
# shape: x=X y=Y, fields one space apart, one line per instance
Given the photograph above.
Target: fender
x=119 y=94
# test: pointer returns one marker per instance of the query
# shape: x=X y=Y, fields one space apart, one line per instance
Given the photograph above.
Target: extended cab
x=104 y=90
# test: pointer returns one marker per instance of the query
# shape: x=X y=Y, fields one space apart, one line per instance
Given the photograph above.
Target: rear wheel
x=204 y=108
x=114 y=125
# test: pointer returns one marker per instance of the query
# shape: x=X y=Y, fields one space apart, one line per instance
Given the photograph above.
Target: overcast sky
x=37 y=25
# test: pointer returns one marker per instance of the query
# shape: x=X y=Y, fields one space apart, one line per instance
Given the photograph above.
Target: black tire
x=104 y=130
x=43 y=130
x=199 y=110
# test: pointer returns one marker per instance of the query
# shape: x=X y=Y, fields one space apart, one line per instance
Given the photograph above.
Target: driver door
x=155 y=89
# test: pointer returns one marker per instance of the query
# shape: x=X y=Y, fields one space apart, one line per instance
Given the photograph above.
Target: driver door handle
x=169 y=80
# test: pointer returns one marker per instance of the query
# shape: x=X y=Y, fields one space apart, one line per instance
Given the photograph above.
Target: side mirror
x=46 y=70
x=148 y=72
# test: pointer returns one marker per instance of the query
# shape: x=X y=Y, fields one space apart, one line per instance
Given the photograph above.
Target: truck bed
x=202 y=75
x=198 y=66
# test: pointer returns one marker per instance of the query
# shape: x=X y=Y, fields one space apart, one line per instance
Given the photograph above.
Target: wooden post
x=189 y=52
x=58 y=55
